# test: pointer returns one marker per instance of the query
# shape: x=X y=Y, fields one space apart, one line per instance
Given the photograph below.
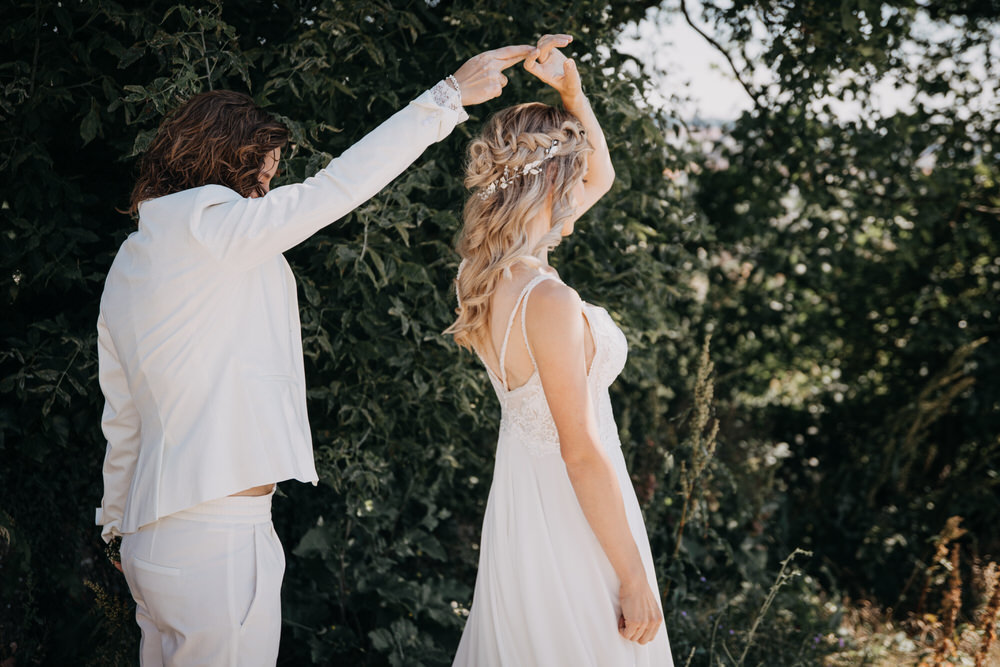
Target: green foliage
x=856 y=400
x=856 y=274
x=385 y=549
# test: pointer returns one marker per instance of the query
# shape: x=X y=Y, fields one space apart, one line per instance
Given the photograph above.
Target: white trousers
x=207 y=585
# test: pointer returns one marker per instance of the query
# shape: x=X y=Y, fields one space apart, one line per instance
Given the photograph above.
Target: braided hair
x=494 y=235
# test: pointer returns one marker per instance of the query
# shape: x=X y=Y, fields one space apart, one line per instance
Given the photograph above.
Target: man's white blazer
x=199 y=346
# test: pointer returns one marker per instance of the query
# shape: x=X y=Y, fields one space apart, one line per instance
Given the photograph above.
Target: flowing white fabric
x=546 y=594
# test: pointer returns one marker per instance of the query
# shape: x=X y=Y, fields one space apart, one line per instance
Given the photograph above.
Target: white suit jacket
x=199 y=346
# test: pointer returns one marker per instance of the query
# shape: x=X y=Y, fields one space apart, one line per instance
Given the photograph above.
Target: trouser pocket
x=153 y=568
x=268 y=568
x=155 y=587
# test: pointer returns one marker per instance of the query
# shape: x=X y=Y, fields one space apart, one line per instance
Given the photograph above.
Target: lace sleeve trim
x=447 y=97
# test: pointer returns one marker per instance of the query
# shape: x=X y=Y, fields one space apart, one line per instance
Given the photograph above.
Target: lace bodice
x=525 y=416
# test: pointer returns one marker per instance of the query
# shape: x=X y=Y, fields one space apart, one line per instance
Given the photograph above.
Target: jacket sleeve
x=245 y=232
x=120 y=423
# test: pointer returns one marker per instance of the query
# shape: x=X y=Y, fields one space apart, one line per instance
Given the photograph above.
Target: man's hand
x=481 y=78
x=113 y=551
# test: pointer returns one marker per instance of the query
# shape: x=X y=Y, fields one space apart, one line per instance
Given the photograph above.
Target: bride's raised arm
x=549 y=64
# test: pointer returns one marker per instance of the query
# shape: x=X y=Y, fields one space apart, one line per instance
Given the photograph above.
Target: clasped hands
x=481 y=78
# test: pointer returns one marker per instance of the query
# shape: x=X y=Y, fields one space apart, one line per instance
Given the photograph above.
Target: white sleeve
x=245 y=232
x=120 y=423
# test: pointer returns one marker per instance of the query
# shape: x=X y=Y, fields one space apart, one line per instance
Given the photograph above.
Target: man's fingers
x=517 y=52
x=531 y=60
x=509 y=56
x=556 y=38
x=509 y=62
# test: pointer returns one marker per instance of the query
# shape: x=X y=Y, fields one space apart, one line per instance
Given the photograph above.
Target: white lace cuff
x=445 y=96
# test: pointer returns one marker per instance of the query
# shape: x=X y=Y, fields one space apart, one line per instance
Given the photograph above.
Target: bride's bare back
x=518 y=364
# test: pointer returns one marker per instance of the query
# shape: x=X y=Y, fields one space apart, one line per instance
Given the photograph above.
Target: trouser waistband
x=230 y=509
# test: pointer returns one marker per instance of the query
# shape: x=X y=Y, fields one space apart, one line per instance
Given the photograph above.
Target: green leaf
x=91 y=124
x=313 y=543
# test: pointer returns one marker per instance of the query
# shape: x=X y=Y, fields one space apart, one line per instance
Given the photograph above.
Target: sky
x=687 y=66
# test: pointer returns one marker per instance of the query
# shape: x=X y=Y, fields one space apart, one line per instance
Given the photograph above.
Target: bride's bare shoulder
x=555 y=292
x=553 y=303
x=520 y=276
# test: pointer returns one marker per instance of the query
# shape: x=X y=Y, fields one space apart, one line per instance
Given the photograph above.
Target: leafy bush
x=383 y=552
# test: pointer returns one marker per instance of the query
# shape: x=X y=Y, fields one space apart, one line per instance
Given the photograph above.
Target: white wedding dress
x=546 y=594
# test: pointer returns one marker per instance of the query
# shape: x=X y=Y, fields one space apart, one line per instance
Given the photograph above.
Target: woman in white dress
x=565 y=572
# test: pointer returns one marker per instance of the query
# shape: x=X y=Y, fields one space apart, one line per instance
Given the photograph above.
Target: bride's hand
x=481 y=78
x=553 y=68
x=641 y=616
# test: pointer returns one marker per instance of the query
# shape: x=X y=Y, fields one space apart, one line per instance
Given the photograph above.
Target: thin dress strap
x=458 y=274
x=510 y=322
x=524 y=332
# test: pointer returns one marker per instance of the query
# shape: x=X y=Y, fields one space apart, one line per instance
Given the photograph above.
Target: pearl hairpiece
x=508 y=175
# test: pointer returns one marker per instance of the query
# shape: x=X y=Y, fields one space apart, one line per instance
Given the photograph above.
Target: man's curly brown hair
x=220 y=137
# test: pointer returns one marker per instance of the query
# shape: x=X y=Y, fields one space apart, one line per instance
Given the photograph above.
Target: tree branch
x=204 y=52
x=989 y=210
x=725 y=54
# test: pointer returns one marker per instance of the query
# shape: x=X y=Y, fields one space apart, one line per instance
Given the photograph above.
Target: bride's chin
x=567 y=229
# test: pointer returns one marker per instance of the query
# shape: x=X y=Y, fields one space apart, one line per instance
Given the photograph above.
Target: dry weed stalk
x=117 y=613
x=701 y=443
x=910 y=427
x=784 y=576
x=984 y=578
x=988 y=624
x=115 y=610
x=951 y=604
x=951 y=532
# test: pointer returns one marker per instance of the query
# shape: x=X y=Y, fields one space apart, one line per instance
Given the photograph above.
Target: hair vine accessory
x=508 y=176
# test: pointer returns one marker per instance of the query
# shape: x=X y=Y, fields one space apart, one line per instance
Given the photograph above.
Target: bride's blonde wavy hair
x=495 y=232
